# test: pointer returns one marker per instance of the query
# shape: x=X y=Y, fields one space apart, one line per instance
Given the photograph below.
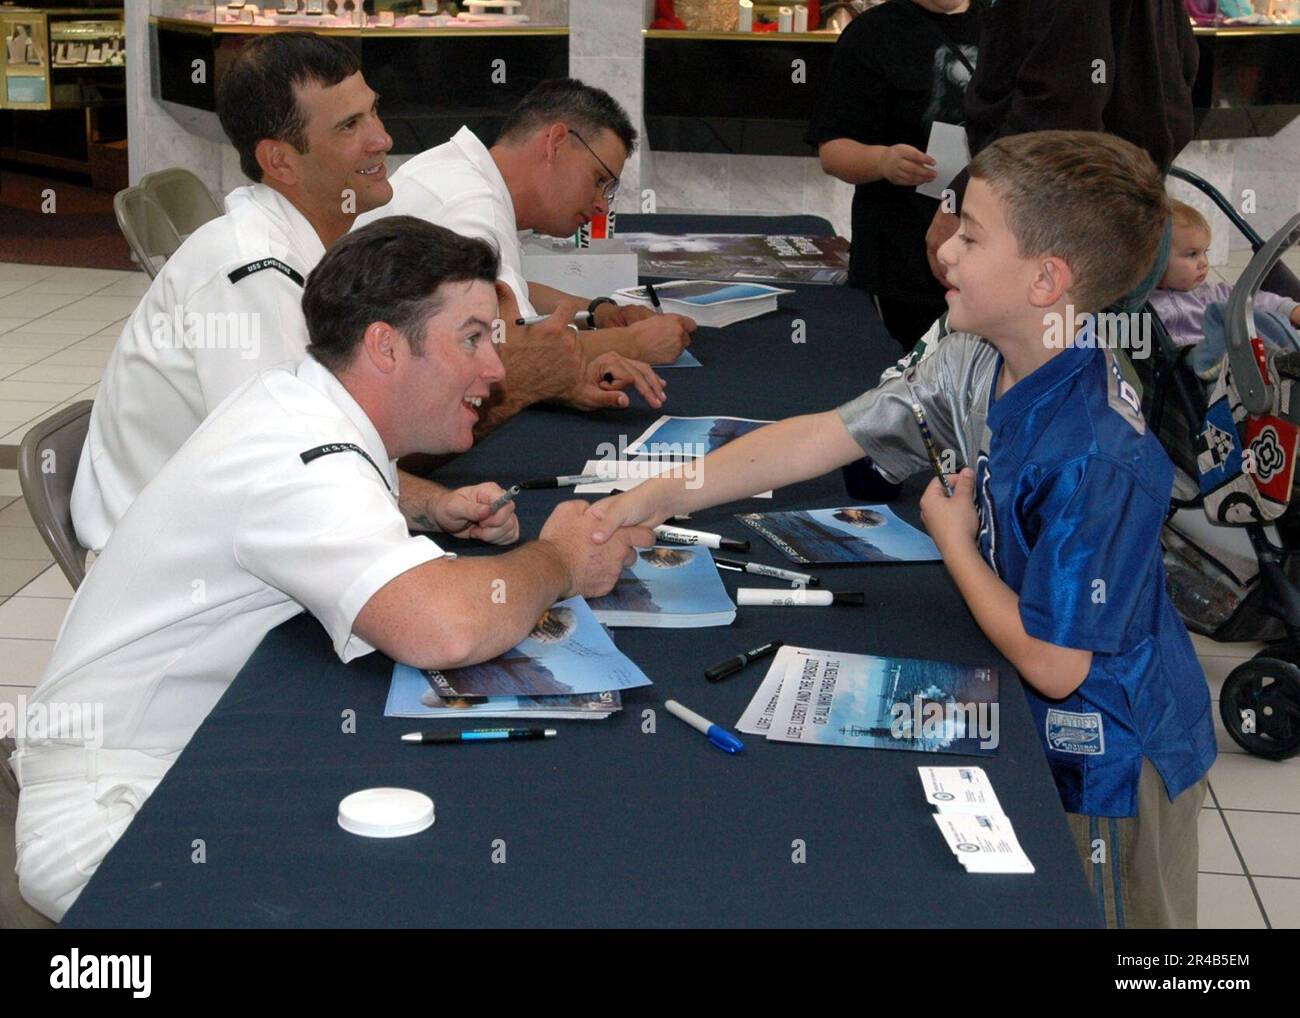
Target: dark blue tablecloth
x=608 y=824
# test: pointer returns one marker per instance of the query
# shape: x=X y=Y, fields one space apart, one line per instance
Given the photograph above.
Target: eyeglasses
x=611 y=189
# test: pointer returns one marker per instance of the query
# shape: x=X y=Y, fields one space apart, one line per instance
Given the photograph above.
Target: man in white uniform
x=555 y=165
x=285 y=500
x=227 y=303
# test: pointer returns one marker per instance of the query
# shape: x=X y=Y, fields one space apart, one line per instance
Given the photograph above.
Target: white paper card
x=983 y=842
x=959 y=790
x=951 y=153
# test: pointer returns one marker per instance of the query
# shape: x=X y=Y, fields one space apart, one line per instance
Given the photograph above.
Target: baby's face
x=1189 y=263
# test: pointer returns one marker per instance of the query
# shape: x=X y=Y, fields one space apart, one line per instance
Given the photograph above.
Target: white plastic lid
x=386 y=812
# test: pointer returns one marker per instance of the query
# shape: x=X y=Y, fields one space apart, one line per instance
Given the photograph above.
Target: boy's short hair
x=387 y=271
x=257 y=98
x=1090 y=198
x=1187 y=216
x=568 y=100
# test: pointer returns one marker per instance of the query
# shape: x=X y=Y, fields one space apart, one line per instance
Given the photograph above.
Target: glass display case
x=49 y=56
x=342 y=15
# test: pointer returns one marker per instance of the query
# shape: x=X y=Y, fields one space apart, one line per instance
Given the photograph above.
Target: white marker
x=680 y=535
x=768 y=597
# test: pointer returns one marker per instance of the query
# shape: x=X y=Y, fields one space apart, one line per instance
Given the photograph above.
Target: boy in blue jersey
x=1052 y=534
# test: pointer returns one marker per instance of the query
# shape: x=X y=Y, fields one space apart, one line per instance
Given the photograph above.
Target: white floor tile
x=45 y=342
x=15 y=700
x=1227 y=903
x=19 y=411
x=1242 y=781
x=107 y=309
x=70 y=287
x=23 y=543
x=1212 y=648
x=64 y=373
x=25 y=273
x=76 y=328
x=32 y=618
x=44 y=392
x=9 y=483
x=1281 y=902
x=18 y=573
x=1217 y=853
x=15 y=514
x=51 y=583
x=134 y=285
x=12 y=324
x=1221 y=736
x=76 y=355
x=1216 y=670
x=34 y=305
x=105 y=342
x=24 y=660
x=22 y=355
x=1269 y=842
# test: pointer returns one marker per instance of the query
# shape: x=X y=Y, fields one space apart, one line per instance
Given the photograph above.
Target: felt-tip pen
x=478 y=735
x=758 y=569
x=716 y=734
x=680 y=535
x=508 y=496
x=766 y=596
x=562 y=481
x=654 y=298
x=732 y=665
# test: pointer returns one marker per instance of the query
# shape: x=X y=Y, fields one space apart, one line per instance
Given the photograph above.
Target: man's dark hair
x=256 y=97
x=388 y=271
x=569 y=101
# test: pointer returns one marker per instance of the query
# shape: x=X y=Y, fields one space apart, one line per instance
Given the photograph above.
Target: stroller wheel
x=1260 y=707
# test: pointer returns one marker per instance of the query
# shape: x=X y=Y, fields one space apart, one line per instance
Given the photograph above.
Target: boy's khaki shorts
x=1142 y=869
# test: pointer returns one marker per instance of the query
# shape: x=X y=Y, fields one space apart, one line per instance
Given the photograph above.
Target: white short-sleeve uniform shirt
x=238 y=532
x=457 y=185
x=227 y=305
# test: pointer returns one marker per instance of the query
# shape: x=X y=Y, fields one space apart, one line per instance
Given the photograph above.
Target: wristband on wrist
x=591 y=308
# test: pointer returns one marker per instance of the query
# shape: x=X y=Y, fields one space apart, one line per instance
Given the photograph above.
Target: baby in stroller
x=1191 y=309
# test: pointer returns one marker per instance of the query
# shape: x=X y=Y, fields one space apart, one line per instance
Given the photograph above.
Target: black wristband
x=591 y=308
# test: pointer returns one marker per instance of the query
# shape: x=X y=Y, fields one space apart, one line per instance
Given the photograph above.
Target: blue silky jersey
x=1073 y=491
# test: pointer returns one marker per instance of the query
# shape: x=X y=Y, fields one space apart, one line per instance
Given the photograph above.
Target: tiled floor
x=57 y=326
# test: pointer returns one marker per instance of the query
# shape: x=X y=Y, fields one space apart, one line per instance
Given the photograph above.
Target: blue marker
x=717 y=735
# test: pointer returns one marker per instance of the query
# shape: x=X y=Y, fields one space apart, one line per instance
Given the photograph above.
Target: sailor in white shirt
x=285 y=500
x=555 y=165
x=227 y=303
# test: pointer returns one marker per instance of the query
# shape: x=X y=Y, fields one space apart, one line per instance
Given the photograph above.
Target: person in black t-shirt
x=897 y=69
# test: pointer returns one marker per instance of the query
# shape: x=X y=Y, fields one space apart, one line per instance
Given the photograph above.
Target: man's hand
x=620 y=316
x=464 y=513
x=954 y=521
x=943 y=226
x=542 y=361
x=660 y=339
x=604 y=378
x=593 y=568
x=907 y=166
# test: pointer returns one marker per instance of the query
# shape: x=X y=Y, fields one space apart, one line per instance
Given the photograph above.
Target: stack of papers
x=707 y=301
x=566 y=659
x=971 y=820
x=667 y=587
x=822 y=697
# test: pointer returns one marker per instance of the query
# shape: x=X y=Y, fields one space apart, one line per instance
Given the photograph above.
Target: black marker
x=654 y=298
x=732 y=665
x=761 y=570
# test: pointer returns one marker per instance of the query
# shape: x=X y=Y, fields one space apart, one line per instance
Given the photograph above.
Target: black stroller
x=1233 y=571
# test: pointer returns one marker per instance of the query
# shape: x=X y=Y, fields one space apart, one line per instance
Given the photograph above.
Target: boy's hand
x=952 y=522
x=628 y=509
x=464 y=513
x=593 y=570
x=907 y=166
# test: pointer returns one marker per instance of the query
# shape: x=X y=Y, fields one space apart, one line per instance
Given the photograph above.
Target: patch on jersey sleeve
x=267 y=263
x=1123 y=397
x=1081 y=734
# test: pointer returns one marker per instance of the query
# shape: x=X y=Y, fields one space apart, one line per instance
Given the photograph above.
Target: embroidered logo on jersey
x=987 y=535
x=1268 y=455
x=1127 y=394
x=266 y=263
x=1080 y=734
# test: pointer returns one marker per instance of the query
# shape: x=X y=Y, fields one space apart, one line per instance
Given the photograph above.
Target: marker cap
x=724 y=740
x=386 y=812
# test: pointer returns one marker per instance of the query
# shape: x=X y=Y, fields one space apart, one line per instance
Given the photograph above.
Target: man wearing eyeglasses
x=554 y=167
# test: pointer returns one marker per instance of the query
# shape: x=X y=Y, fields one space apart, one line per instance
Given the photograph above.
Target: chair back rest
x=47 y=468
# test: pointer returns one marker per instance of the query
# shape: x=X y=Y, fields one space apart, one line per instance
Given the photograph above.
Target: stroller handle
x=1239 y=320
